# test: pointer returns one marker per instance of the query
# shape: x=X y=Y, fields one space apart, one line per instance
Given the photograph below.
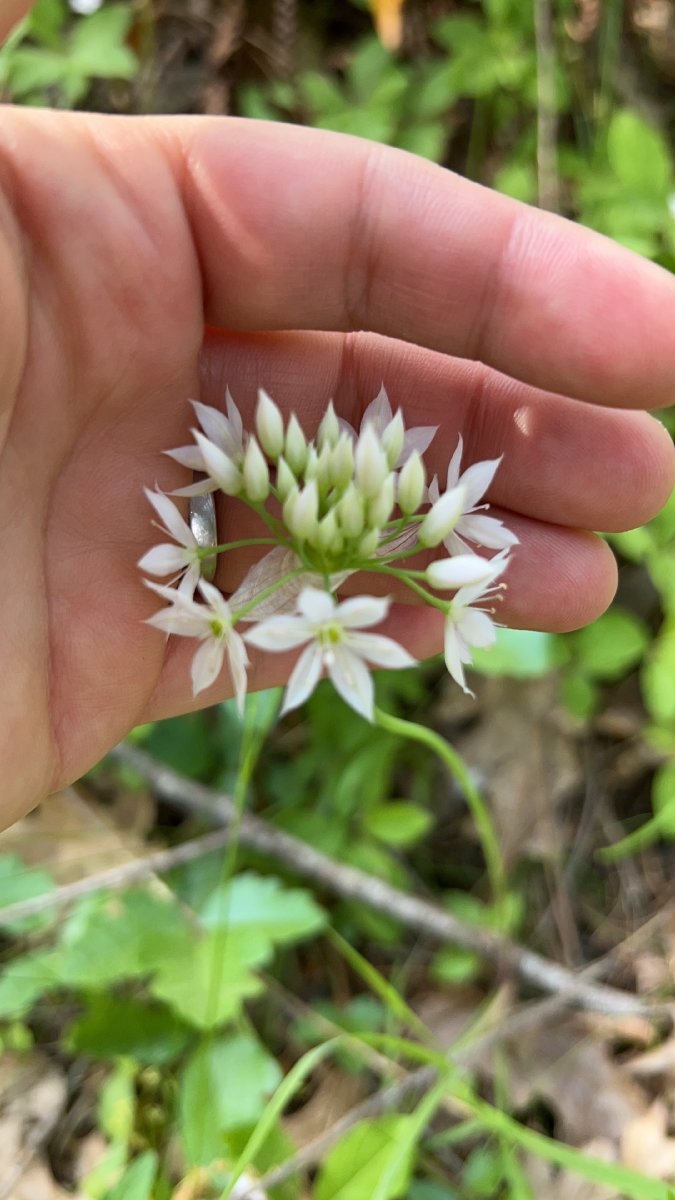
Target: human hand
x=120 y=239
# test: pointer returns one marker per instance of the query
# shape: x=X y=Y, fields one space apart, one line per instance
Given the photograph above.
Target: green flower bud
x=393 y=437
x=342 y=461
x=295 y=446
x=370 y=463
x=256 y=473
x=304 y=516
x=381 y=506
x=411 y=481
x=329 y=429
x=351 y=513
x=442 y=518
x=368 y=544
x=270 y=425
x=285 y=479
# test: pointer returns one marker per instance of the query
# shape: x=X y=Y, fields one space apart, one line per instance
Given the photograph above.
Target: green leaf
x=45 y=22
x=321 y=94
x=355 y=1167
x=117 y=1104
x=25 y=980
x=97 y=44
x=32 y=69
x=398 y=823
x=638 y=154
x=261 y=909
x=112 y=937
x=518 y=654
x=118 y=1026
x=453 y=966
x=138 y=1180
x=612 y=645
x=225 y=1086
x=579 y=695
x=209 y=980
x=658 y=678
x=19 y=882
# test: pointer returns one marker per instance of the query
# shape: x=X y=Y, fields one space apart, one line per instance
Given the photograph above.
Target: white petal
x=434 y=491
x=304 y=678
x=316 y=606
x=468 y=595
x=238 y=662
x=478 y=479
x=453 y=657
x=201 y=488
x=178 y=622
x=234 y=417
x=165 y=559
x=280 y=633
x=187 y=456
x=188 y=583
x=218 y=429
x=487 y=531
x=454 y=466
x=215 y=599
x=207 y=664
x=419 y=439
x=352 y=680
x=362 y=611
x=219 y=466
x=378 y=413
x=380 y=650
x=477 y=629
x=173 y=521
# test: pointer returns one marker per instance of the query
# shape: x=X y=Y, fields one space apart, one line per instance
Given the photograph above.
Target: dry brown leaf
x=645 y=1145
x=591 y=1095
x=525 y=764
x=32 y=1098
x=338 y=1091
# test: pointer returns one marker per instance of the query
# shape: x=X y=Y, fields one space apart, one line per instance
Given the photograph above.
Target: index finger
x=298 y=228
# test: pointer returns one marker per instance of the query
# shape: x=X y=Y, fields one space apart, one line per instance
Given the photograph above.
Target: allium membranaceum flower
x=341 y=502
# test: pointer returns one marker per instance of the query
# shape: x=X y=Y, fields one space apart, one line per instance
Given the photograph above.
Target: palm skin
x=123 y=240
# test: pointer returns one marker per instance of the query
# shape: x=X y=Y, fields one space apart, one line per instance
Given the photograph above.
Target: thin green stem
x=405 y=577
x=209 y=551
x=477 y=806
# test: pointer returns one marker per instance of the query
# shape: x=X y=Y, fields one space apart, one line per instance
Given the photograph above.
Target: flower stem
x=209 y=551
x=406 y=577
x=477 y=806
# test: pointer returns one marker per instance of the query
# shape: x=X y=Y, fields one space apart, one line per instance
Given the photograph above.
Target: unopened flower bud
x=393 y=437
x=464 y=570
x=370 y=463
x=329 y=429
x=219 y=466
x=368 y=544
x=381 y=506
x=442 y=518
x=305 y=512
x=285 y=479
x=295 y=446
x=270 y=425
x=322 y=473
x=342 y=461
x=256 y=473
x=411 y=482
x=311 y=463
x=351 y=513
x=326 y=531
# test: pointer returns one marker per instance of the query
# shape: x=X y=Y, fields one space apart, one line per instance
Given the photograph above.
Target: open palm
x=145 y=261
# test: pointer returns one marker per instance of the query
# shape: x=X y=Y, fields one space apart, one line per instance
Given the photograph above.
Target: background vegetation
x=195 y=1005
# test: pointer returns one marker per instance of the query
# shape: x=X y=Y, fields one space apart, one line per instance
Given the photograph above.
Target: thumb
x=11 y=12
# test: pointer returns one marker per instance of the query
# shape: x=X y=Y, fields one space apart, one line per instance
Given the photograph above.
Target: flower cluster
x=343 y=502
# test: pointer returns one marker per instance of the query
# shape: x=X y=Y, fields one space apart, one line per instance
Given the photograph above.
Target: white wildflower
x=226 y=435
x=183 y=560
x=213 y=624
x=467 y=625
x=473 y=525
x=337 y=646
x=441 y=518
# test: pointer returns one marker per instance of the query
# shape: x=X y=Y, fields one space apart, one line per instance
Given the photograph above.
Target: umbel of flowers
x=343 y=502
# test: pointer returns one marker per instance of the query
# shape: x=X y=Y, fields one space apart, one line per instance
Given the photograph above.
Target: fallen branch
x=117 y=877
x=416 y=914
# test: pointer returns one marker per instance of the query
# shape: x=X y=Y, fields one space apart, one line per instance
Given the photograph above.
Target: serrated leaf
x=208 y=982
x=121 y=936
x=225 y=1086
x=263 y=910
x=119 y=1026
